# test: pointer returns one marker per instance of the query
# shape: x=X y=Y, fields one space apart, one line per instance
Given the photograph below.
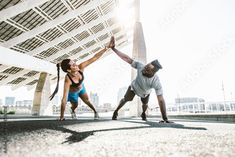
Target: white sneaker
x=96 y=116
x=73 y=114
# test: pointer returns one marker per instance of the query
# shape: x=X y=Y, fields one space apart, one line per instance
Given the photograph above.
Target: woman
x=73 y=84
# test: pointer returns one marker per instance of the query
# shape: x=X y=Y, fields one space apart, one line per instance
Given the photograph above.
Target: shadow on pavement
x=79 y=136
x=28 y=126
x=166 y=125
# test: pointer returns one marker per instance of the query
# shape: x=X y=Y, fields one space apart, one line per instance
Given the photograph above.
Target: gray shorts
x=130 y=94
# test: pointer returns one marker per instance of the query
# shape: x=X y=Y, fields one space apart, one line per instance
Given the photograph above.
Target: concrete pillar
x=41 y=101
x=138 y=53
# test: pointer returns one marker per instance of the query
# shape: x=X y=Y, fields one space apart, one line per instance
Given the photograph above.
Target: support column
x=41 y=101
x=138 y=53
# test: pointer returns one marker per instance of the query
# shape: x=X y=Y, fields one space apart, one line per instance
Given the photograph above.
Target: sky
x=195 y=43
x=193 y=40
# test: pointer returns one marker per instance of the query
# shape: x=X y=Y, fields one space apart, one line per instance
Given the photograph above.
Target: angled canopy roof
x=52 y=30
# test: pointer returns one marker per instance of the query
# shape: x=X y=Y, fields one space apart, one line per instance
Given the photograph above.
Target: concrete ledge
x=227 y=118
x=209 y=117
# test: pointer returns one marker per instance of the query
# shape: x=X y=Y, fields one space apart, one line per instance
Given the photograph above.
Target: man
x=142 y=85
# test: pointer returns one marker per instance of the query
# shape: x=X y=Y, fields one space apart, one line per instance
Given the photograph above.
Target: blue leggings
x=73 y=96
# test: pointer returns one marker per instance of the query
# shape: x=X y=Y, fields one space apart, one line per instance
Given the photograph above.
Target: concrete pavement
x=124 y=138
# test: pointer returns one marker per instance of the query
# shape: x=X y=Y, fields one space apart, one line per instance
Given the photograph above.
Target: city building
x=199 y=105
x=121 y=93
x=94 y=98
x=19 y=103
x=20 y=107
x=190 y=104
x=107 y=106
x=220 y=106
x=9 y=101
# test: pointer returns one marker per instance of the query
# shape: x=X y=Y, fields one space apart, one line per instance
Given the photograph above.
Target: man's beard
x=147 y=75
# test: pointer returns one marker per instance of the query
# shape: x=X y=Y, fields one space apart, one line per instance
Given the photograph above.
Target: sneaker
x=61 y=119
x=115 y=114
x=73 y=114
x=143 y=116
x=165 y=121
x=96 y=116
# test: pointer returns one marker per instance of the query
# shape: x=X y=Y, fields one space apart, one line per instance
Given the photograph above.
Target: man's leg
x=144 y=107
x=127 y=97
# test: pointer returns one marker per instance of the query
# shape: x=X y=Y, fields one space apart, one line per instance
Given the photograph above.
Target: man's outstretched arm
x=123 y=56
x=162 y=106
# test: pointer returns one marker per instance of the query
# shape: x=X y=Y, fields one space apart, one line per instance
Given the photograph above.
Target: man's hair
x=156 y=65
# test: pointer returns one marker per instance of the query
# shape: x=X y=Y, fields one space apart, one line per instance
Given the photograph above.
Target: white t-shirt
x=143 y=85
